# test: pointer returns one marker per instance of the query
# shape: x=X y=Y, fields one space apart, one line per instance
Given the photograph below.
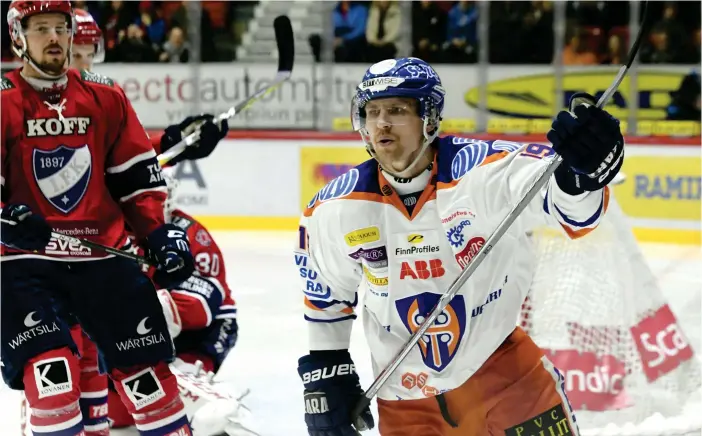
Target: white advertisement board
x=164 y=94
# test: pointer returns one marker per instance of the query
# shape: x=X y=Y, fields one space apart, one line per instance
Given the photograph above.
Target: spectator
x=693 y=56
x=114 y=26
x=89 y=7
x=670 y=25
x=576 y=52
x=383 y=30
x=134 y=48
x=461 y=38
x=616 y=52
x=658 y=50
x=507 y=36
x=685 y=104
x=176 y=49
x=151 y=21
x=349 y=32
x=537 y=28
x=428 y=29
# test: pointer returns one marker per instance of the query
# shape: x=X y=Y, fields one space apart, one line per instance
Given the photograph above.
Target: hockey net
x=597 y=311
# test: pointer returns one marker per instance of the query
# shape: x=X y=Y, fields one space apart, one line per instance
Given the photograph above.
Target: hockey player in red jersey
x=207 y=320
x=66 y=166
x=200 y=312
x=89 y=49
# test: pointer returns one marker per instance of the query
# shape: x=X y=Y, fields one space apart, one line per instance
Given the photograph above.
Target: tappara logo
x=439 y=344
x=660 y=343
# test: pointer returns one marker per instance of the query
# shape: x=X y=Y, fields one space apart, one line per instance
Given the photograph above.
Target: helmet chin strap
x=407 y=173
x=24 y=54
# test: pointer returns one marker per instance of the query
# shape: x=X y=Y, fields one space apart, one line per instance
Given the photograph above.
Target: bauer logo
x=553 y=422
x=53 y=377
x=362 y=236
x=439 y=344
x=339 y=187
x=62 y=175
x=660 y=343
x=143 y=388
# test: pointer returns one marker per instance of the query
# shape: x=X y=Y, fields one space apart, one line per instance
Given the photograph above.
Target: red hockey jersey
x=84 y=163
x=199 y=302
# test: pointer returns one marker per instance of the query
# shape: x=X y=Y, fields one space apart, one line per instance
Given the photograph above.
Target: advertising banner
x=320 y=165
x=666 y=187
x=164 y=94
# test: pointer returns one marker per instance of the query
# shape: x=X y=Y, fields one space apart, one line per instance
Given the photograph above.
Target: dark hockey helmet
x=21 y=10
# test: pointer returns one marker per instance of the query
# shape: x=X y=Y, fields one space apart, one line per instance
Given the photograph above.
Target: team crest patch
x=62 y=175
x=439 y=344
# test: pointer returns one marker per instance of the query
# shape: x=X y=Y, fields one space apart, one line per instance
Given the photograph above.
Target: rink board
x=260 y=181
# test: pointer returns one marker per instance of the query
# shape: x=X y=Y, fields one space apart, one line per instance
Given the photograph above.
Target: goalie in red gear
x=66 y=167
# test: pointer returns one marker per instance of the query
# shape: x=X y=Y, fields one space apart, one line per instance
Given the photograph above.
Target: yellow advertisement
x=320 y=165
x=533 y=96
x=661 y=187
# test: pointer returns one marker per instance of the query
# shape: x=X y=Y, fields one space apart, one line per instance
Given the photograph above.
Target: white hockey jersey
x=356 y=236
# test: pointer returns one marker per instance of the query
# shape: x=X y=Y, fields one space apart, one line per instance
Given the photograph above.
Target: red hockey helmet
x=21 y=10
x=88 y=33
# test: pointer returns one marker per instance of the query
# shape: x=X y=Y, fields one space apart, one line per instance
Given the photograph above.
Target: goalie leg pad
x=51 y=382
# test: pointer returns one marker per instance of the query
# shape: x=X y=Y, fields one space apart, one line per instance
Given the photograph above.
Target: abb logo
x=594 y=383
x=660 y=343
x=422 y=270
x=99 y=411
x=411 y=381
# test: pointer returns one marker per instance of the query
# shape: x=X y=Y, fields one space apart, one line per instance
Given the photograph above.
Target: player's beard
x=53 y=65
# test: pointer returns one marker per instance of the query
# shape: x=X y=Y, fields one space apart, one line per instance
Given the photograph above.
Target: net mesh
x=596 y=309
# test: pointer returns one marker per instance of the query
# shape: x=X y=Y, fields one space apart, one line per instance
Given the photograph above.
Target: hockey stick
x=501 y=229
x=286 y=56
x=91 y=244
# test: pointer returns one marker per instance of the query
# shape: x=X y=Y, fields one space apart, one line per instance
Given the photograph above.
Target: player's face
x=48 y=37
x=395 y=131
x=83 y=56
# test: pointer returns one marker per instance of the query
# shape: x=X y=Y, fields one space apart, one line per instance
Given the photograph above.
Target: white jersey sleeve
x=329 y=280
x=509 y=173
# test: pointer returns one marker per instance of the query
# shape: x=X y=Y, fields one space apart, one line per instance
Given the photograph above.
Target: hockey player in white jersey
x=400 y=227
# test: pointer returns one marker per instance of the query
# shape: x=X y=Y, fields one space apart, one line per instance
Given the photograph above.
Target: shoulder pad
x=6 y=84
x=96 y=78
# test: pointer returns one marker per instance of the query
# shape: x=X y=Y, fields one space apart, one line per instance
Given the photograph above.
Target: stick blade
x=285 y=41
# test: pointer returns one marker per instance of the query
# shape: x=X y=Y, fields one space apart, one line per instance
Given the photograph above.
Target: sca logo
x=455 y=234
x=362 y=236
x=422 y=270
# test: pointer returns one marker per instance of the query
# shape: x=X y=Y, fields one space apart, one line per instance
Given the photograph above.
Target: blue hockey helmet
x=403 y=77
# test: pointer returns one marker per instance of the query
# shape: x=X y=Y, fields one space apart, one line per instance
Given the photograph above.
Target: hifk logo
x=62 y=175
x=439 y=344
